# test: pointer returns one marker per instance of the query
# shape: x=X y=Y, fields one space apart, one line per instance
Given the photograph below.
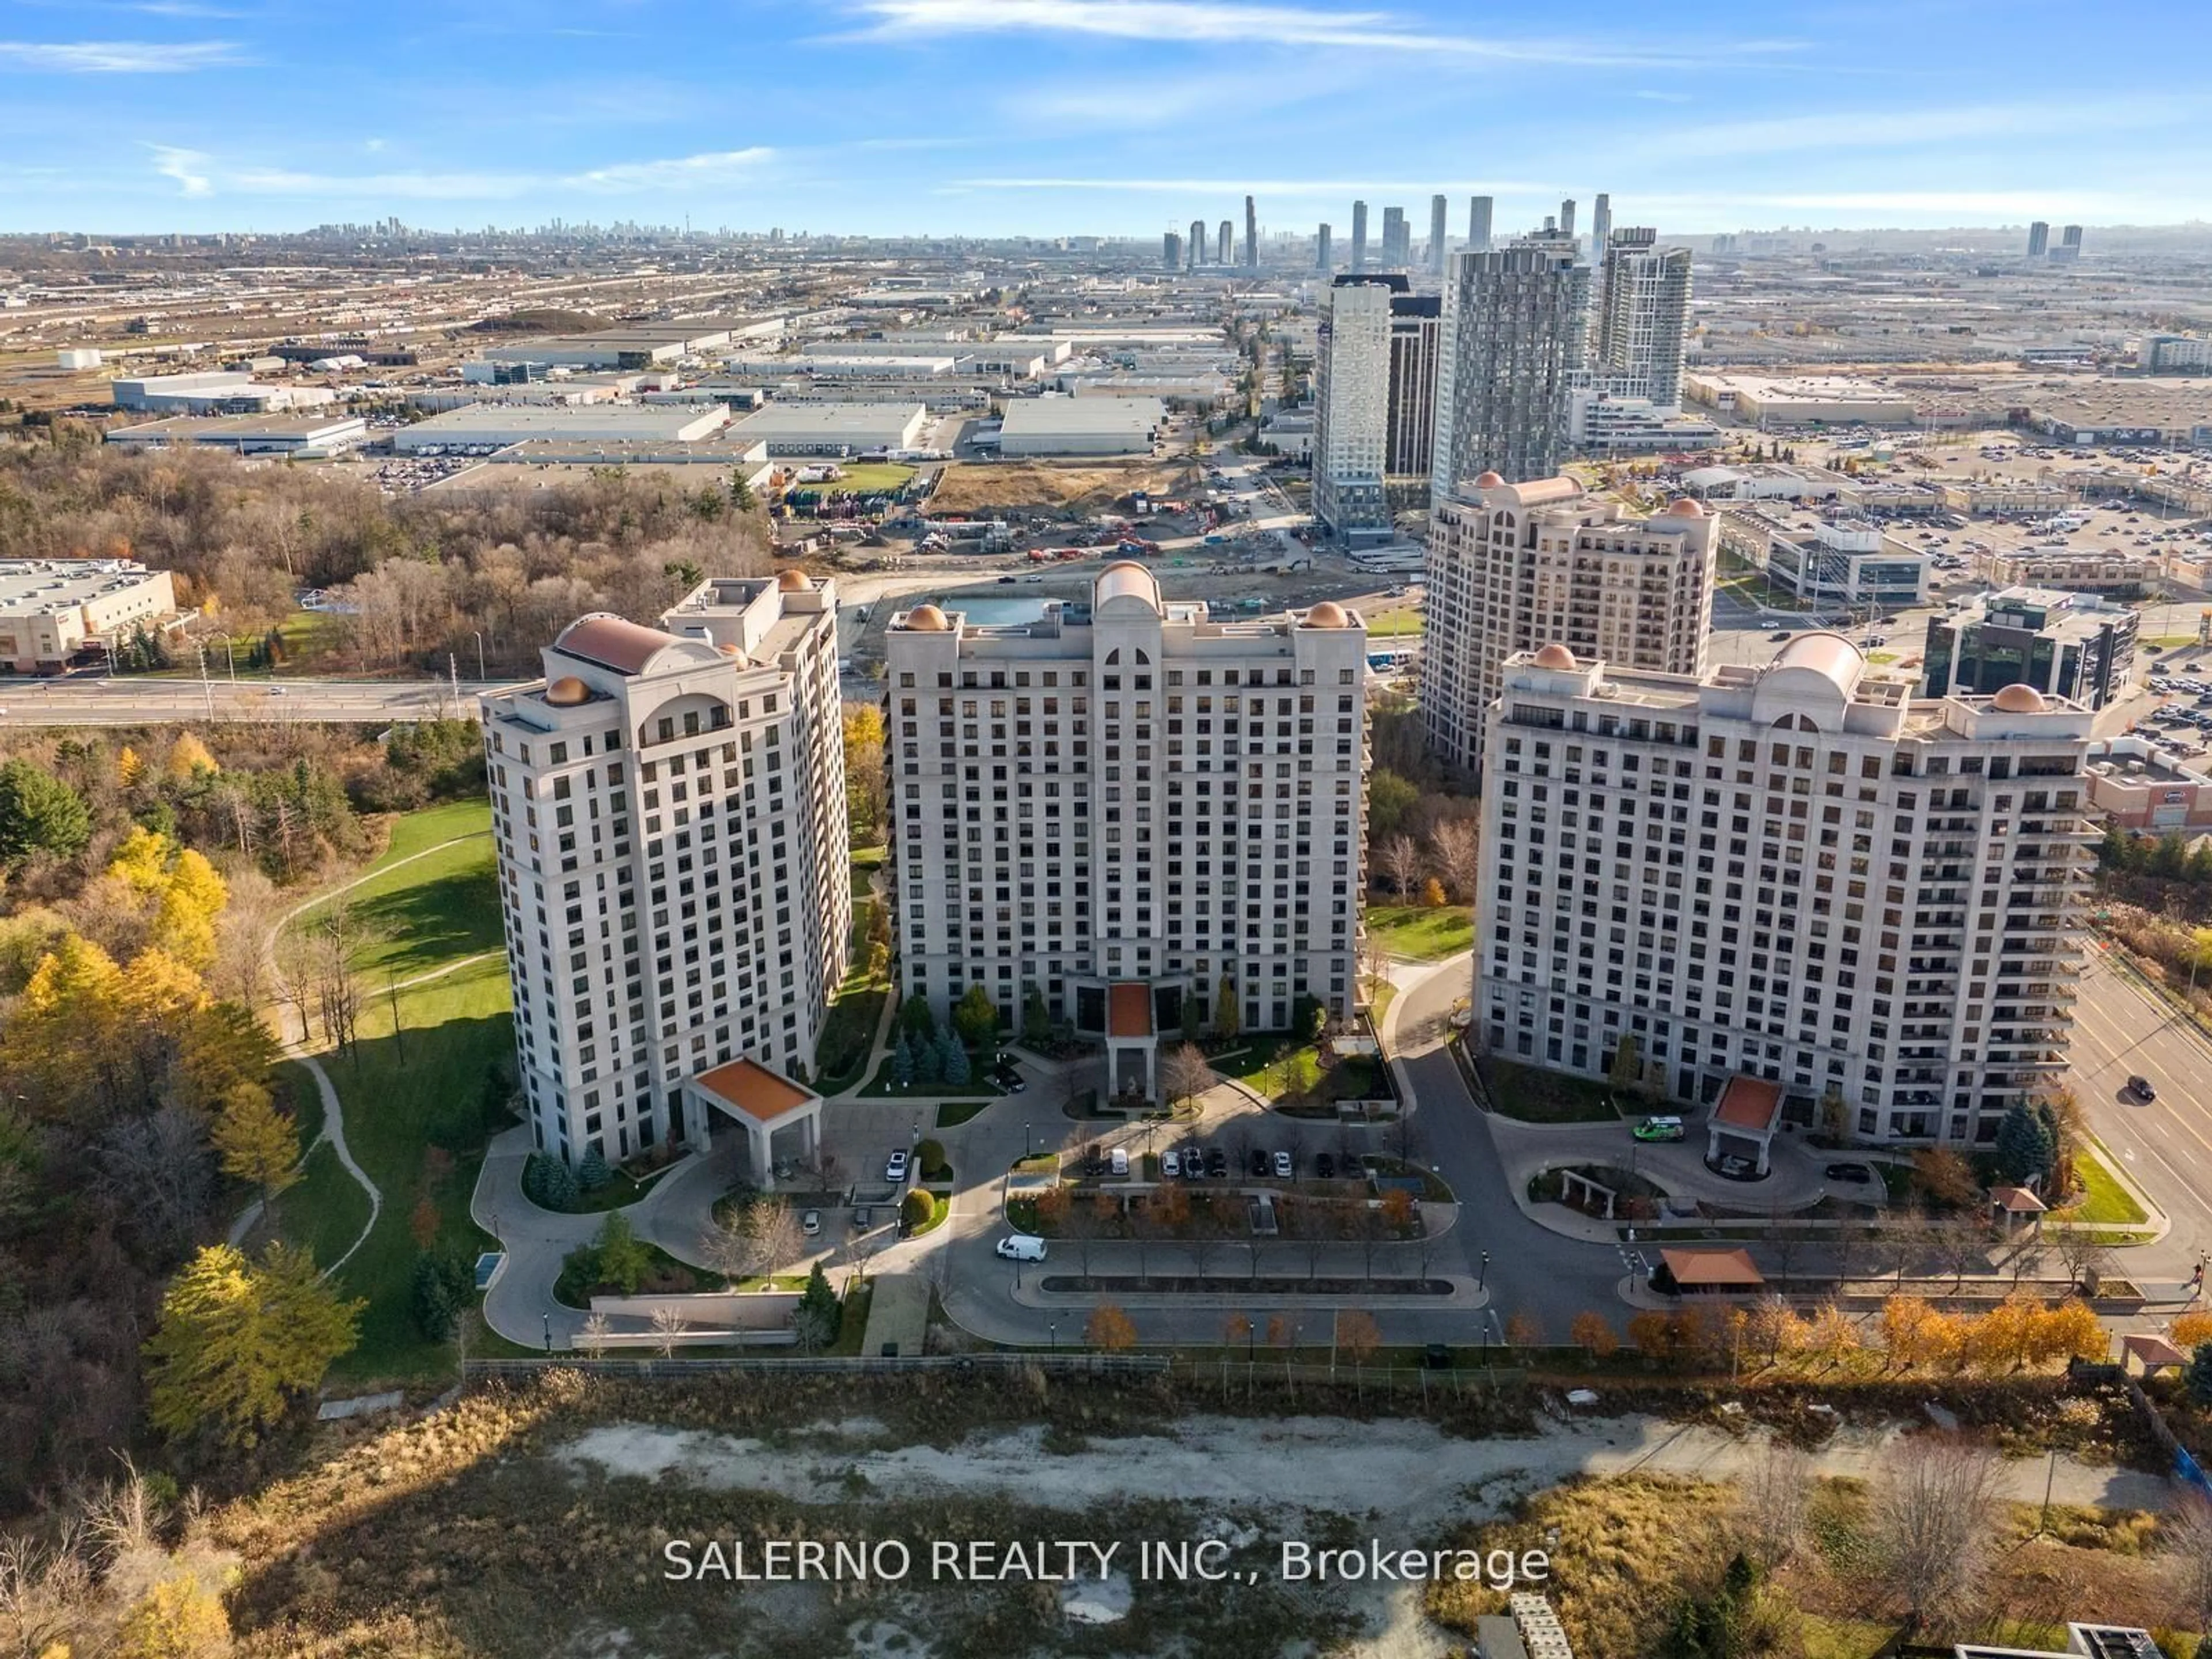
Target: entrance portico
x=762 y=1101
x=1133 y=1045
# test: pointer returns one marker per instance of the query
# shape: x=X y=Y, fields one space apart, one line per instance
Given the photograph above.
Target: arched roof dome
x=1555 y=656
x=1126 y=579
x=928 y=619
x=568 y=691
x=1829 y=655
x=1327 y=614
x=1683 y=508
x=794 y=580
x=614 y=642
x=1488 y=481
x=2019 y=699
x=735 y=652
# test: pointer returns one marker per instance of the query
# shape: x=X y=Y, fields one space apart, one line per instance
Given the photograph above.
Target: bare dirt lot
x=1087 y=487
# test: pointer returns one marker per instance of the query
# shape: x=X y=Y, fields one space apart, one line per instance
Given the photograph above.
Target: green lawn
x=441 y=909
x=1395 y=625
x=954 y=1113
x=1540 y=1097
x=1416 y=931
x=862 y=478
x=2104 y=1202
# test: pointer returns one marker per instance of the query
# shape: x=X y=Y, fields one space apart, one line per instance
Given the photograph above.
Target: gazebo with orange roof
x=1133 y=1042
x=761 y=1101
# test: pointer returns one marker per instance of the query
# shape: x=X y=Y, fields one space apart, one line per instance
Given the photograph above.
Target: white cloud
x=118 y=57
x=1902 y=129
x=1214 y=22
x=186 y=167
x=722 y=166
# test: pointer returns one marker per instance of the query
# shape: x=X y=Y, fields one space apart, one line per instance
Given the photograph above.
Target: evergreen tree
x=592 y=1171
x=928 y=1059
x=1036 y=1019
x=444 y=1282
x=956 y=1069
x=239 y=1340
x=40 y=813
x=903 y=1062
x=2027 y=1144
x=2197 y=1376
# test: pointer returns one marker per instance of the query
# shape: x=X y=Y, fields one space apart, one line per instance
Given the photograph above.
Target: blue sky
x=1116 y=116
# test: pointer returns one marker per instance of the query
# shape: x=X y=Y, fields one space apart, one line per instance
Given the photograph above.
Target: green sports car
x=1659 y=1128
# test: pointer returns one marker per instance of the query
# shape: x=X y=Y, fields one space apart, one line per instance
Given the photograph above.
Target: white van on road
x=1020 y=1247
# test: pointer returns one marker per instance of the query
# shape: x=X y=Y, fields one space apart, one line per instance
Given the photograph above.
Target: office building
x=668 y=811
x=1351 y=406
x=1567 y=219
x=1396 y=247
x=1251 y=235
x=1514 y=567
x=1845 y=561
x=2038 y=239
x=1416 y=337
x=1437 y=207
x=1478 y=224
x=1129 y=810
x=52 y=610
x=1197 y=243
x=1514 y=338
x=1861 y=908
x=2074 y=645
x=1322 y=260
x=1360 y=236
x=1601 y=227
x=1643 y=315
x=1172 y=252
x=2069 y=241
x=2174 y=354
x=1225 y=245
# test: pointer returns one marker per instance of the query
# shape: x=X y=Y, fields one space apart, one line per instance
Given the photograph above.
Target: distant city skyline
x=993 y=118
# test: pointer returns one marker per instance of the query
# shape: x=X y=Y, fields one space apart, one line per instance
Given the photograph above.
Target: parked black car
x=1856 y=1173
x=1325 y=1166
x=1217 y=1163
x=1260 y=1163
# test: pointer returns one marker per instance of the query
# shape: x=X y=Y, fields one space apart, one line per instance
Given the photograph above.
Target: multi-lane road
x=146 y=700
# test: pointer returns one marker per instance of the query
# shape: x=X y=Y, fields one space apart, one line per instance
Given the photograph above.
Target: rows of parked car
x=1192 y=1161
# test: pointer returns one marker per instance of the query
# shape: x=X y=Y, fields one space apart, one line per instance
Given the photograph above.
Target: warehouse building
x=486 y=426
x=1081 y=426
x=302 y=437
x=213 y=392
x=1808 y=400
x=52 y=609
x=833 y=429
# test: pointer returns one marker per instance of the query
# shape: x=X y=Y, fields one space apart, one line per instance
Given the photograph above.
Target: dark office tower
x=1360 y=235
x=1251 y=235
x=1170 y=251
x=1320 y=249
x=1436 y=211
x=1601 y=227
x=1394 y=239
x=1196 y=250
x=1478 y=224
x=2071 y=237
x=1416 y=328
x=1224 y=249
x=1515 y=334
x=1567 y=218
x=2038 y=239
x=1643 y=315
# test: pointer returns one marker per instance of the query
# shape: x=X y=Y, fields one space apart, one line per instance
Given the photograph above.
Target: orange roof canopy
x=1129 y=1011
x=748 y=1086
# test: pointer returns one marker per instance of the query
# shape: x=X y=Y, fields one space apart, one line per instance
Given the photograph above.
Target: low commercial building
x=216 y=391
x=1846 y=561
x=1872 y=901
x=1612 y=423
x=303 y=437
x=53 y=609
x=2085 y=411
x=486 y=426
x=2136 y=788
x=834 y=429
x=2068 y=645
x=1762 y=482
x=2089 y=570
x=1805 y=400
x=823 y=366
x=1081 y=426
x=2006 y=498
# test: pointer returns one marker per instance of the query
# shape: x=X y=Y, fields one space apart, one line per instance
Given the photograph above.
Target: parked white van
x=1022 y=1247
x=1120 y=1161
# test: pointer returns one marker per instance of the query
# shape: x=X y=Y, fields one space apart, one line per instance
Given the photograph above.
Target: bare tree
x=1205 y=1242
x=1958 y=1242
x=774 y=1230
x=2187 y=1536
x=295 y=961
x=1184 y=1074
x=592 y=1337
x=726 y=1246
x=1931 y=1519
x=1398 y=858
x=1770 y=1502
x=668 y=1330
x=2084 y=1257
x=811 y=1327
x=1457 y=853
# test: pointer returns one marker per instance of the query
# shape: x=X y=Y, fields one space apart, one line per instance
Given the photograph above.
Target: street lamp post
x=548 y=1318
x=481 y=675
x=1053 y=1326
x=1027 y=1147
x=1482 y=1283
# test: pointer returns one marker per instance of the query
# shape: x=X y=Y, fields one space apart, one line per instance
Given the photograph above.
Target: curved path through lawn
x=333 y=1129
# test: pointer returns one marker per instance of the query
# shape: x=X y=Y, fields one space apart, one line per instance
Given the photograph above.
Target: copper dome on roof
x=928 y=619
x=794 y=580
x=738 y=651
x=1327 y=614
x=568 y=691
x=1555 y=655
x=1488 y=481
x=2019 y=699
x=1683 y=508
